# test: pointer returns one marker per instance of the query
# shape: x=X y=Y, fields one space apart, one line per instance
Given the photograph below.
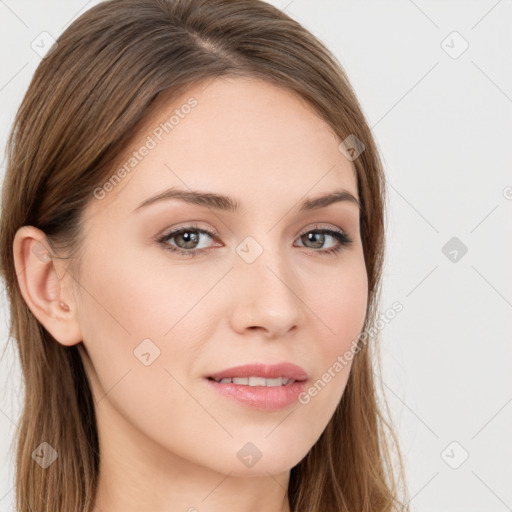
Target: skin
x=167 y=441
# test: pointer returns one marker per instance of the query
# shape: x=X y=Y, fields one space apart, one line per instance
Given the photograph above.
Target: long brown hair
x=84 y=103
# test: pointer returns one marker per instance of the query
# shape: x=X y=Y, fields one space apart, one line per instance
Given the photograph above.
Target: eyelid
x=319 y=226
x=192 y=225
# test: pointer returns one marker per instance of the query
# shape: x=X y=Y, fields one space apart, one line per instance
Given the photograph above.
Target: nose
x=266 y=297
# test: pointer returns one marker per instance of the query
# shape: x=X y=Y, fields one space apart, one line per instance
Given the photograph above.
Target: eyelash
x=343 y=241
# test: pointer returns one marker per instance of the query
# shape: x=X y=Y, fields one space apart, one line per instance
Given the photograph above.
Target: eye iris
x=311 y=237
x=190 y=237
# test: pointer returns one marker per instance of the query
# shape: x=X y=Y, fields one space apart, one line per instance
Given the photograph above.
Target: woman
x=192 y=242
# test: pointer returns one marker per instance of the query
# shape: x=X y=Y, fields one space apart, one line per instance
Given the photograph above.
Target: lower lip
x=261 y=397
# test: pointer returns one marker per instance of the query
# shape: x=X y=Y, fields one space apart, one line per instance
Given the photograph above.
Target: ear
x=42 y=285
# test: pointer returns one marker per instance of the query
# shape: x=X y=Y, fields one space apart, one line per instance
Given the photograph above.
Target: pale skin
x=168 y=442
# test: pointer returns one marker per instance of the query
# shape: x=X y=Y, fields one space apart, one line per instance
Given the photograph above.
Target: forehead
x=242 y=137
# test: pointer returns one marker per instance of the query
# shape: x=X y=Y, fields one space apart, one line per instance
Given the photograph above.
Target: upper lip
x=285 y=370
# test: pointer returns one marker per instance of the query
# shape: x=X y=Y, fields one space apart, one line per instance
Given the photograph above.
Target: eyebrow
x=226 y=203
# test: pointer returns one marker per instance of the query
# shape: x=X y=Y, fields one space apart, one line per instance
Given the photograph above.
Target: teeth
x=256 y=381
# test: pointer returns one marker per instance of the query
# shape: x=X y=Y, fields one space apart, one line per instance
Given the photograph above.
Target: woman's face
x=157 y=323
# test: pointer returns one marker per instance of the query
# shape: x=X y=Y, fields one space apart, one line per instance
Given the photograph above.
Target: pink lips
x=285 y=370
x=262 y=397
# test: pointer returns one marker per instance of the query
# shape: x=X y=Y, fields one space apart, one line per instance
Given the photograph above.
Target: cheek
x=137 y=295
x=340 y=303
x=135 y=306
x=136 y=313
x=336 y=309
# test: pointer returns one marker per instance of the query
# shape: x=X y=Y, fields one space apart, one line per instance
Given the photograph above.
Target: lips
x=254 y=386
x=287 y=370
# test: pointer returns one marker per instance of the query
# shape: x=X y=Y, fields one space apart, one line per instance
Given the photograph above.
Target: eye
x=318 y=236
x=187 y=240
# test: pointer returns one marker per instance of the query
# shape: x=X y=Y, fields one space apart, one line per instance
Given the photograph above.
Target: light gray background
x=443 y=126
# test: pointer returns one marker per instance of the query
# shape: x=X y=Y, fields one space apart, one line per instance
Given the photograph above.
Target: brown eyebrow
x=226 y=203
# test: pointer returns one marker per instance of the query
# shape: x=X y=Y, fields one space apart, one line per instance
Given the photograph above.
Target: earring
x=64 y=306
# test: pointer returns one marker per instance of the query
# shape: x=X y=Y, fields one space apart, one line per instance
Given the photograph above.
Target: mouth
x=267 y=387
x=260 y=374
x=260 y=393
x=257 y=381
